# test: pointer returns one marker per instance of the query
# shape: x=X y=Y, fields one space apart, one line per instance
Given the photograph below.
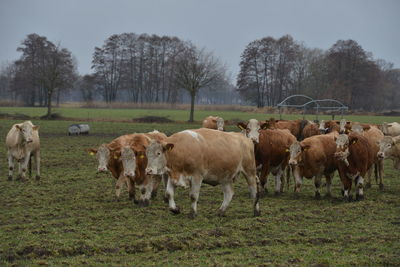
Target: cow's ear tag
x=241 y=127
x=170 y=148
x=115 y=157
x=91 y=153
x=305 y=149
x=286 y=150
x=354 y=141
x=141 y=156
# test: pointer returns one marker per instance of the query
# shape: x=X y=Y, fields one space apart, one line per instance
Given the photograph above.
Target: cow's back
x=373 y=135
x=361 y=155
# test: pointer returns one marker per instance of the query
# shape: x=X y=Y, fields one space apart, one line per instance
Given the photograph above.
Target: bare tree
x=196 y=69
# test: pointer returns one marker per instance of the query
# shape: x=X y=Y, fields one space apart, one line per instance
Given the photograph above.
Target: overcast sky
x=224 y=27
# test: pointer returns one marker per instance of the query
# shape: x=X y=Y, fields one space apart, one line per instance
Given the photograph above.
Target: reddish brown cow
x=310 y=129
x=313 y=157
x=294 y=126
x=355 y=158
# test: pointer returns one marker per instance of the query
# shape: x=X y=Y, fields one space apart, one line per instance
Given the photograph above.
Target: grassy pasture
x=71 y=217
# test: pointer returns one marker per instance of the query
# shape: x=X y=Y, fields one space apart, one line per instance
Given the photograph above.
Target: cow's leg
x=380 y=173
x=145 y=192
x=194 y=195
x=130 y=183
x=298 y=180
x=10 y=165
x=317 y=183
x=227 y=189
x=278 y=182
x=359 y=182
x=156 y=183
x=287 y=177
x=119 y=184
x=165 y=181
x=170 y=195
x=368 y=178
x=328 y=185
x=254 y=186
x=264 y=179
x=346 y=189
x=37 y=162
x=24 y=165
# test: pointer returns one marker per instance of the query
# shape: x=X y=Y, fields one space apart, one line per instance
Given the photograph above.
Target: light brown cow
x=389 y=148
x=192 y=157
x=310 y=129
x=392 y=129
x=313 y=157
x=125 y=158
x=355 y=158
x=22 y=143
x=271 y=151
x=329 y=126
x=214 y=122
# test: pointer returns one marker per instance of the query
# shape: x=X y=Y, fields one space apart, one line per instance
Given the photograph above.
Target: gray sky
x=224 y=27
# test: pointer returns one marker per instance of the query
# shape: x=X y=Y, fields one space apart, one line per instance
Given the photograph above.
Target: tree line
x=273 y=69
x=150 y=68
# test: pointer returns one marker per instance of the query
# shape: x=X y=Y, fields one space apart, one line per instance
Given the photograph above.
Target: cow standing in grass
x=271 y=151
x=193 y=157
x=389 y=148
x=294 y=126
x=22 y=143
x=392 y=129
x=355 y=157
x=216 y=123
x=125 y=158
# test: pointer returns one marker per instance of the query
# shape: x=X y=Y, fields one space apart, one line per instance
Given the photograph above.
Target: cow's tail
x=376 y=172
x=303 y=124
x=30 y=166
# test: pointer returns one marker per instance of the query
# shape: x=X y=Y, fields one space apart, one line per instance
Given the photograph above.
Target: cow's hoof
x=10 y=178
x=328 y=195
x=144 y=203
x=381 y=186
x=177 y=210
x=368 y=185
x=165 y=198
x=359 y=197
x=192 y=215
x=261 y=194
x=296 y=195
x=277 y=193
x=153 y=194
x=37 y=177
x=257 y=213
x=348 y=199
x=342 y=191
x=221 y=213
x=317 y=196
x=135 y=201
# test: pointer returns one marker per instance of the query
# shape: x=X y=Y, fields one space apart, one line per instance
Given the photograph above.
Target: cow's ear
x=18 y=127
x=91 y=151
x=168 y=147
x=264 y=126
x=117 y=154
x=366 y=128
x=214 y=120
x=353 y=140
x=335 y=138
x=305 y=147
x=241 y=125
x=389 y=125
x=36 y=127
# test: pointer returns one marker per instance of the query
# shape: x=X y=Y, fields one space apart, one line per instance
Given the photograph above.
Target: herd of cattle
x=213 y=156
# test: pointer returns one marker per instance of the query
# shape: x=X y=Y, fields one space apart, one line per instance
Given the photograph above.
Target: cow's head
x=357 y=128
x=342 y=126
x=103 y=156
x=296 y=149
x=343 y=142
x=26 y=131
x=220 y=124
x=252 y=129
x=322 y=128
x=128 y=159
x=156 y=159
x=387 y=146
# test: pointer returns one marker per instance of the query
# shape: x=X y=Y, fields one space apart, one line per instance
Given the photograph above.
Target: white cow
x=392 y=129
x=22 y=143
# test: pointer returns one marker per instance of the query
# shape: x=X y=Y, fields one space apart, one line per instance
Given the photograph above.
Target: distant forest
x=161 y=69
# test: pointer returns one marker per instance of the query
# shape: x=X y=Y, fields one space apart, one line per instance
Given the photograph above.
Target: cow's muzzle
x=129 y=174
x=292 y=162
x=381 y=155
x=101 y=169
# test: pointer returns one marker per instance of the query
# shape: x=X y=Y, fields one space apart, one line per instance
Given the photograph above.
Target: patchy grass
x=71 y=217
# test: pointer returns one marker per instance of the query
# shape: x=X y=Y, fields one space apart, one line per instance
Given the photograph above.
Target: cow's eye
x=158 y=153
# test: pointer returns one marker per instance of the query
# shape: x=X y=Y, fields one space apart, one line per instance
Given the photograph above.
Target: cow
x=271 y=151
x=329 y=126
x=23 y=143
x=310 y=129
x=392 y=129
x=125 y=158
x=295 y=126
x=313 y=157
x=193 y=157
x=346 y=126
x=389 y=147
x=214 y=122
x=355 y=157
x=78 y=129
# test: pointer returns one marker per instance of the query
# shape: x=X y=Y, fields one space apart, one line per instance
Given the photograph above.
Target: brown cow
x=125 y=158
x=329 y=126
x=271 y=151
x=313 y=157
x=192 y=157
x=310 y=129
x=295 y=126
x=355 y=158
x=214 y=122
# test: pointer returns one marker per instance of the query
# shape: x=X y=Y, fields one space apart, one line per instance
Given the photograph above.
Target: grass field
x=71 y=217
